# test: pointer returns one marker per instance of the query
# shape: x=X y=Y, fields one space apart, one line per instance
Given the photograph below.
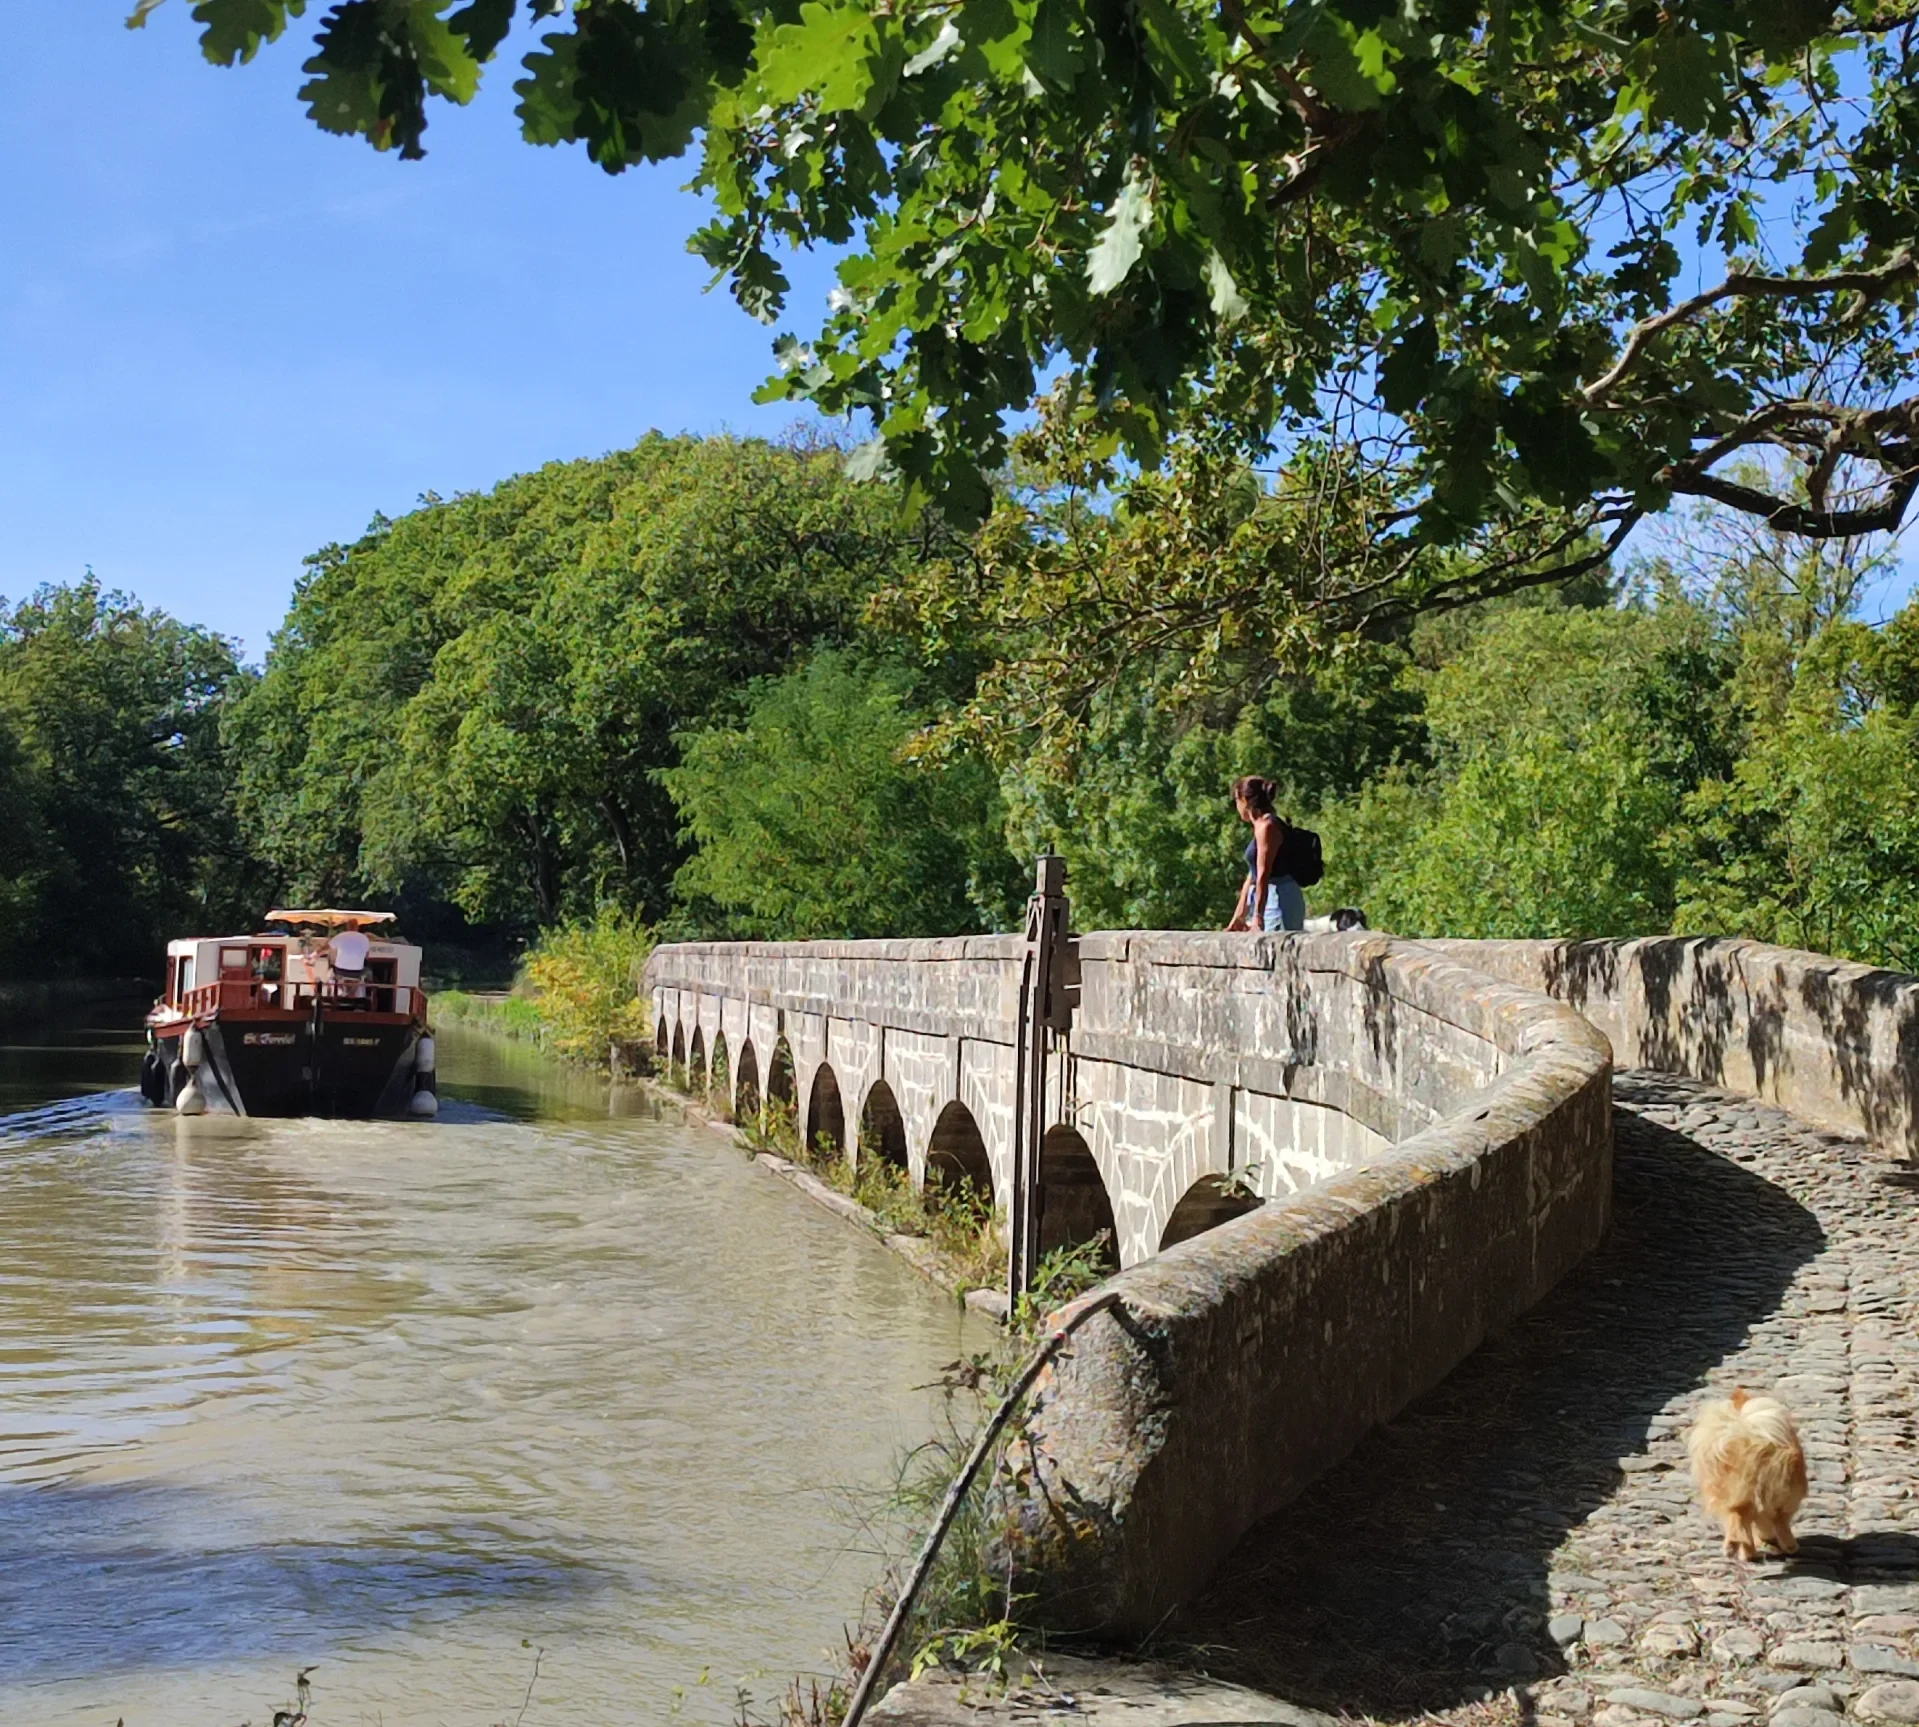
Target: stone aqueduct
x=1331 y=1164
x=907 y=1051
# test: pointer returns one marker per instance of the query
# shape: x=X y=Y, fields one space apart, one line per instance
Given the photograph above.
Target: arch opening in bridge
x=746 y=1099
x=956 y=1157
x=1074 y=1208
x=696 y=1061
x=679 y=1052
x=882 y=1127
x=661 y=1041
x=1209 y=1202
x=782 y=1090
x=826 y=1114
x=719 y=1085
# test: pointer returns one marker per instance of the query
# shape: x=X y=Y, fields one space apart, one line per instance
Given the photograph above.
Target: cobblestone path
x=1524 y=1541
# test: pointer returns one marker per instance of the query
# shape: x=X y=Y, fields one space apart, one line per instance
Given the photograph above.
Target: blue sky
x=227 y=339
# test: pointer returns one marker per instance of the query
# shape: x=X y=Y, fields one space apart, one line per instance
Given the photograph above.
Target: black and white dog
x=1347 y=917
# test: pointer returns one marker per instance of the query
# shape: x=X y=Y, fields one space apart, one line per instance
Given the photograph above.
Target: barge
x=320 y=1015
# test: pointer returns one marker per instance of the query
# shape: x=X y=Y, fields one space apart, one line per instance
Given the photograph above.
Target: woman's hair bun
x=1258 y=792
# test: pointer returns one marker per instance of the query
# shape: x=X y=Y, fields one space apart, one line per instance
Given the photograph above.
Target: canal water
x=559 y=1376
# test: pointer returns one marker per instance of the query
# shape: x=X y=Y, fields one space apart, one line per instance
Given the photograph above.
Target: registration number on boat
x=361 y=1042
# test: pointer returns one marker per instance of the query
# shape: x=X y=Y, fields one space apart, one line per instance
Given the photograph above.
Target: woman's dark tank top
x=1252 y=863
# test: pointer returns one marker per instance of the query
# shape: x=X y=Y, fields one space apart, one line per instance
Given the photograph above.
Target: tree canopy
x=1489 y=281
x=115 y=827
x=809 y=820
x=474 y=702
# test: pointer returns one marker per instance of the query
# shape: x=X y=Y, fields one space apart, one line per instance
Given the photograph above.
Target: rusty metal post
x=1049 y=986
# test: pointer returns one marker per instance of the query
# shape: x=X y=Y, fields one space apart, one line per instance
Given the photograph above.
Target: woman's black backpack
x=1300 y=857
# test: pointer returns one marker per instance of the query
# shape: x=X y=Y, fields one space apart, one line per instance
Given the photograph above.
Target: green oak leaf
x=1686 y=79
x=999 y=34
x=1349 y=67
x=483 y=24
x=549 y=106
x=1055 y=54
x=830 y=53
x=232 y=30
x=445 y=58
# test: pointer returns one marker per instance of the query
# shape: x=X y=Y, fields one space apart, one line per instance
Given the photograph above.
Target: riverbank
x=498 y=1011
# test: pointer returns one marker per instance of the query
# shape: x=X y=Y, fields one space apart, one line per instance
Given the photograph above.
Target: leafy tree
x=1812 y=840
x=808 y=820
x=474 y=700
x=1139 y=801
x=1551 y=790
x=113 y=783
x=1441 y=245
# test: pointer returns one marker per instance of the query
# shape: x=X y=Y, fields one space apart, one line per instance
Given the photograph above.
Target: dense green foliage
x=713 y=688
x=808 y=821
x=1441 y=257
x=473 y=703
x=1723 y=749
x=114 y=827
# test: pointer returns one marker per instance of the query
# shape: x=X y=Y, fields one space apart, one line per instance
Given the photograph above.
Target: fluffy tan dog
x=1750 y=1470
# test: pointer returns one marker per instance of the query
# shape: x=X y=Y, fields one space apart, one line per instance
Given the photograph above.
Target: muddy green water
x=405 y=1403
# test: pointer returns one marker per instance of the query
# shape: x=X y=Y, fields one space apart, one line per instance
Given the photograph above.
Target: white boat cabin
x=327 y=956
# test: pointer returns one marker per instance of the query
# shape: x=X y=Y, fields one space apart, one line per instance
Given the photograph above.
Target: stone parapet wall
x=1243 y=1363
x=1832 y=1042
x=965 y=986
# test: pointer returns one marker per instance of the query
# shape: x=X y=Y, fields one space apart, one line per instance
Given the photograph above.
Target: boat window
x=268 y=963
x=233 y=959
x=186 y=977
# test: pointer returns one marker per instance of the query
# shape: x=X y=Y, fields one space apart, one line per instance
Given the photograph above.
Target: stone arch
x=679 y=1045
x=696 y=1060
x=661 y=1040
x=882 y=1127
x=825 y=1112
x=782 y=1089
x=956 y=1155
x=1207 y=1204
x=746 y=1099
x=1074 y=1207
x=719 y=1087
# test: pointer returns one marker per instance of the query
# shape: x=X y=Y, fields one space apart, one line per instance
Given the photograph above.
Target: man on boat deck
x=348 y=951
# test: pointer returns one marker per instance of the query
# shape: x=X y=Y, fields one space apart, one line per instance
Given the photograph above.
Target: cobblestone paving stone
x=1524 y=1542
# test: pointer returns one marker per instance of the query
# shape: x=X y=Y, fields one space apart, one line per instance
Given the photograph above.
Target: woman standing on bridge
x=1271 y=899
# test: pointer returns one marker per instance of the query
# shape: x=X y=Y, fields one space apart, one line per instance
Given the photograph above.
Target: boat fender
x=424 y=1104
x=153 y=1077
x=192 y=1100
x=423 y=1056
x=177 y=1077
x=193 y=1047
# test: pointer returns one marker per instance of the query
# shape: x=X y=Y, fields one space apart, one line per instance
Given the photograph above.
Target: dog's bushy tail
x=1752 y=1440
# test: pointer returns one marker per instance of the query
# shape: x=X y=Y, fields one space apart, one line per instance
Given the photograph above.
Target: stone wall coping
x=1827 y=1039
x=1510 y=1016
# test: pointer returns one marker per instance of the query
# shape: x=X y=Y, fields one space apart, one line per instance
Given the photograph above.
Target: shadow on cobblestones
x=1418 y=1570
